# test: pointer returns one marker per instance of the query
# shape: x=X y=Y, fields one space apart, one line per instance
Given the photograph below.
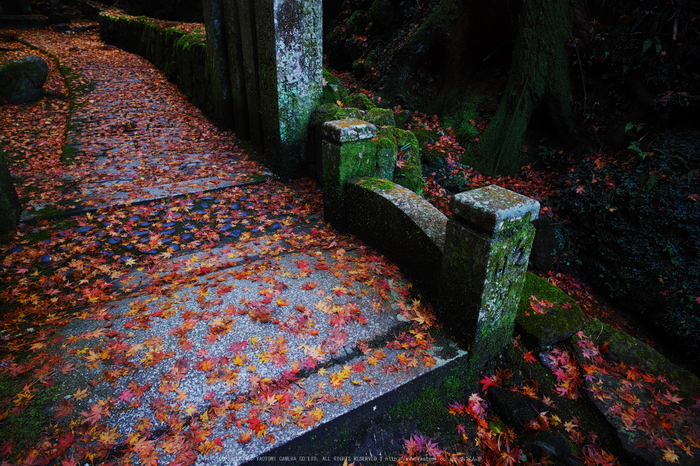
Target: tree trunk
x=538 y=76
x=480 y=28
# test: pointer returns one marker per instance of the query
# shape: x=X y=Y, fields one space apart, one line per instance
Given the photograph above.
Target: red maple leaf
x=238 y=346
x=529 y=357
x=64 y=408
x=488 y=382
x=94 y=415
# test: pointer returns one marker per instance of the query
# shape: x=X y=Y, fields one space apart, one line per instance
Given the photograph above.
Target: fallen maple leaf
x=488 y=382
x=245 y=438
x=670 y=455
x=529 y=357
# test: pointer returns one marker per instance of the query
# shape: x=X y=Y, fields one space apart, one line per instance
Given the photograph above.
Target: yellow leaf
x=191 y=409
x=670 y=455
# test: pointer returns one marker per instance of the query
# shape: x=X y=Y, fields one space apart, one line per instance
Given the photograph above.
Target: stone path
x=216 y=324
x=137 y=135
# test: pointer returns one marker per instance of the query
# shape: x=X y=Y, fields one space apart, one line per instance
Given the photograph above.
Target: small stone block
x=348 y=130
x=490 y=208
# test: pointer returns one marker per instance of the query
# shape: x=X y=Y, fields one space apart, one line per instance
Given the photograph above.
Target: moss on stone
x=386 y=157
x=409 y=174
x=331 y=111
x=25 y=427
x=333 y=89
x=360 y=101
x=376 y=183
x=428 y=407
x=622 y=347
x=561 y=320
x=429 y=157
x=385 y=132
x=68 y=154
x=425 y=136
x=462 y=118
x=380 y=117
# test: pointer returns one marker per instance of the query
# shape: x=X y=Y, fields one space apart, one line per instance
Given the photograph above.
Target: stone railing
x=472 y=265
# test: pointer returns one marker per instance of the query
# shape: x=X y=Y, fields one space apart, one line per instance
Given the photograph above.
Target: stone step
x=254 y=354
x=96 y=198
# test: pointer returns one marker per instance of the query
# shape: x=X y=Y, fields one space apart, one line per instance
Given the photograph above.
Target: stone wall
x=182 y=57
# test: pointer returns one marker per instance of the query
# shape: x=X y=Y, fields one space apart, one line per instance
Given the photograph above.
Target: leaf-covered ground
x=241 y=289
x=133 y=300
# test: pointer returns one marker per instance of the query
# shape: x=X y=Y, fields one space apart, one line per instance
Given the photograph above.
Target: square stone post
x=274 y=52
x=289 y=48
x=348 y=152
x=487 y=247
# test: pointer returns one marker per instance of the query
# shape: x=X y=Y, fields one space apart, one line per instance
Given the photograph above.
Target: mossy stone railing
x=472 y=265
x=181 y=56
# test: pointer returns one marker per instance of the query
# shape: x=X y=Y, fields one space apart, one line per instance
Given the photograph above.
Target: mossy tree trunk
x=539 y=76
x=459 y=35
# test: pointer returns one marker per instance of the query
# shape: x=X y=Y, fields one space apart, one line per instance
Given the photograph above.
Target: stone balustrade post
x=487 y=247
x=348 y=152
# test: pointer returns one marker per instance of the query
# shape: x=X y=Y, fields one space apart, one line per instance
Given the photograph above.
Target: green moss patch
x=546 y=315
x=25 y=426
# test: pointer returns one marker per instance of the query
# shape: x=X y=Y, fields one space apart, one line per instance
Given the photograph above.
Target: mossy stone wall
x=402 y=225
x=474 y=264
x=181 y=57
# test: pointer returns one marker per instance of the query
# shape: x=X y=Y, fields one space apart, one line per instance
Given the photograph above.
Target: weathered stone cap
x=348 y=130
x=490 y=208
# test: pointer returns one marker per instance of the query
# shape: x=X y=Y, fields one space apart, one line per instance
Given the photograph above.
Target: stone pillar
x=348 y=153
x=234 y=49
x=275 y=58
x=246 y=10
x=487 y=246
x=291 y=80
x=218 y=61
